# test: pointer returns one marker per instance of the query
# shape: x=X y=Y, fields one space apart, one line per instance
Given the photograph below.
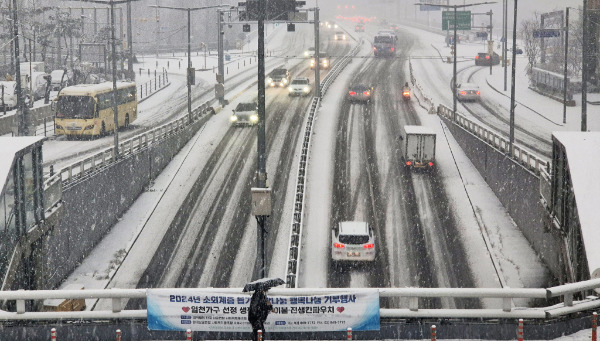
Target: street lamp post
x=454 y=99
x=189 y=48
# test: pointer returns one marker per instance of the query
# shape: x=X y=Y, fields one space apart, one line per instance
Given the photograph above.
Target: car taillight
x=367 y=93
x=392 y=49
x=369 y=246
x=339 y=245
x=487 y=57
x=463 y=92
x=352 y=93
x=408 y=163
x=406 y=93
x=476 y=57
x=374 y=48
x=478 y=92
x=430 y=164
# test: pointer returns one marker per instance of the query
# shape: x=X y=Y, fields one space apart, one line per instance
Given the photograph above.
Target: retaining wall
x=516 y=187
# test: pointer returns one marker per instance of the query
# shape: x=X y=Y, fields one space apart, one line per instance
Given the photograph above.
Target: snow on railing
x=296 y=232
x=409 y=310
x=90 y=164
x=523 y=156
x=151 y=86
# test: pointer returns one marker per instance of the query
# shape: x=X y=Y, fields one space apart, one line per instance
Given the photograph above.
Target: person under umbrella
x=260 y=307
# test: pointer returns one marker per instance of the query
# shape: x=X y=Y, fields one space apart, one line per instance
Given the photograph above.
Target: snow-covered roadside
x=486 y=227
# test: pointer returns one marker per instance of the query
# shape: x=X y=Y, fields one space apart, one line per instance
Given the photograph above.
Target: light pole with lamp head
x=454 y=99
x=190 y=71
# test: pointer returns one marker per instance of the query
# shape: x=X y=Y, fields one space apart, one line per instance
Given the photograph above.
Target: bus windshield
x=75 y=107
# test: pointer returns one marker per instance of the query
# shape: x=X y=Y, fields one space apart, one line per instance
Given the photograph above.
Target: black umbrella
x=263 y=283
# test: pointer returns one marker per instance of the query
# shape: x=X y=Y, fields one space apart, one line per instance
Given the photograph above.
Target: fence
x=150 y=87
x=524 y=157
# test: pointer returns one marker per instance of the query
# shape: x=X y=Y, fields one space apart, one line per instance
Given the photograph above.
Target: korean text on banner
x=181 y=309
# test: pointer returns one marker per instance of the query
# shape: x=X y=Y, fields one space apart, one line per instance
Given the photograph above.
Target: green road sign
x=463 y=22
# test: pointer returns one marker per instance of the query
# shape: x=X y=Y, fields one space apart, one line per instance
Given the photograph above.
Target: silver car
x=245 y=114
x=468 y=92
x=299 y=87
x=353 y=241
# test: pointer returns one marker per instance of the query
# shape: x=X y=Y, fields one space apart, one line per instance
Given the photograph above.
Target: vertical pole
x=505 y=45
x=433 y=333
x=260 y=336
x=349 y=334
x=261 y=173
x=220 y=53
x=53 y=334
x=129 y=43
x=520 y=330
x=118 y=334
x=594 y=326
x=565 y=81
x=114 y=77
x=542 y=42
x=188 y=334
x=157 y=18
x=584 y=73
x=95 y=21
x=317 y=59
x=189 y=49
x=454 y=70
x=512 y=82
x=22 y=127
x=491 y=43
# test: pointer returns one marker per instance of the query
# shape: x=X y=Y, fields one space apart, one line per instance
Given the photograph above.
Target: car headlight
x=290 y=89
x=272 y=83
x=312 y=63
x=233 y=118
x=254 y=118
x=269 y=80
x=306 y=89
x=281 y=84
x=284 y=81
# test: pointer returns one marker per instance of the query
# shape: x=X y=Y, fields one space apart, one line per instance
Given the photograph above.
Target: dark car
x=484 y=59
x=278 y=78
x=359 y=28
x=360 y=93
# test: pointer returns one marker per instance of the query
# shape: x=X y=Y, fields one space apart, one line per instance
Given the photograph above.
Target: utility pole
x=454 y=99
x=584 y=73
x=505 y=43
x=22 y=128
x=565 y=80
x=491 y=42
x=261 y=173
x=220 y=54
x=317 y=58
x=114 y=77
x=512 y=83
x=130 y=43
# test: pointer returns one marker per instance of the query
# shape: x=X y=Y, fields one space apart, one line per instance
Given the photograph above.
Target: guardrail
x=504 y=310
x=523 y=156
x=296 y=232
x=129 y=146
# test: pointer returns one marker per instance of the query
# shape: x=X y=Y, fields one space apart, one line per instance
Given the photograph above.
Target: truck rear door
x=420 y=148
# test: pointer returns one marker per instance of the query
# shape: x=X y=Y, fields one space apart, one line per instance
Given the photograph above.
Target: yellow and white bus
x=87 y=109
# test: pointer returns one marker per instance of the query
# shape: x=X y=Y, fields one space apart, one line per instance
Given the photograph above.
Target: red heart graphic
x=185 y=309
x=340 y=309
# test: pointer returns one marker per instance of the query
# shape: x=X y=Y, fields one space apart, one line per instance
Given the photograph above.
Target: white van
x=352 y=241
x=10 y=95
x=57 y=76
x=38 y=84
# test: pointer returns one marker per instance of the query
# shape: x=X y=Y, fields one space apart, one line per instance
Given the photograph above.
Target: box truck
x=418 y=147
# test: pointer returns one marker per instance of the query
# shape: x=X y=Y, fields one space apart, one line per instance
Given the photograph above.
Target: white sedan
x=468 y=92
x=300 y=86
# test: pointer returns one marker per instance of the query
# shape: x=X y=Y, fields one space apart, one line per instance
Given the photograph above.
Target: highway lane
x=415 y=234
x=215 y=245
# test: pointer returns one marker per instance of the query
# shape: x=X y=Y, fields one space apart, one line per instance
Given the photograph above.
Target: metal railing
x=521 y=155
x=412 y=310
x=296 y=231
x=92 y=163
x=148 y=88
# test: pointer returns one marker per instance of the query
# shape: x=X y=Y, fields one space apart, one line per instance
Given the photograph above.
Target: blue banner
x=182 y=309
